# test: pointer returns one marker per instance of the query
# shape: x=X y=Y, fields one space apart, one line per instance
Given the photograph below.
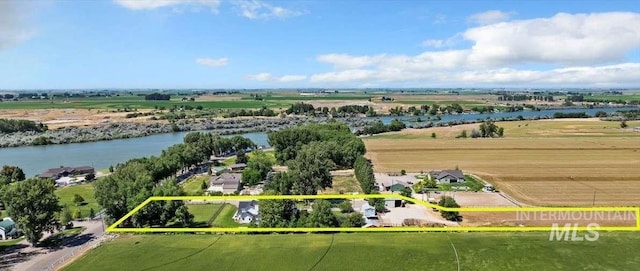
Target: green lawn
x=225 y=218
x=193 y=186
x=202 y=213
x=85 y=190
x=365 y=251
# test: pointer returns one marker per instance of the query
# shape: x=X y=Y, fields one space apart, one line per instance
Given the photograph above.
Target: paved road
x=43 y=259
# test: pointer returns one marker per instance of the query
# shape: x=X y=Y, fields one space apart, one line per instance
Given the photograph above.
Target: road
x=46 y=259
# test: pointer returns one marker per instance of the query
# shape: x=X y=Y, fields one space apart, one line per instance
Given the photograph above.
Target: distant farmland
x=370 y=251
x=548 y=166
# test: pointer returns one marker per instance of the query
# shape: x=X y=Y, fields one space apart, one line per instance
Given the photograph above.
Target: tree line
x=12 y=126
x=378 y=127
x=157 y=97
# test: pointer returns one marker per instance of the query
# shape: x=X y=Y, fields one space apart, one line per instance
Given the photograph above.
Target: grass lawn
x=7 y=244
x=225 y=218
x=202 y=213
x=365 y=251
x=85 y=190
x=192 y=186
x=343 y=184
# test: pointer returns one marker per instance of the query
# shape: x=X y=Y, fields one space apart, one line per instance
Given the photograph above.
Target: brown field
x=548 y=163
x=56 y=118
x=547 y=219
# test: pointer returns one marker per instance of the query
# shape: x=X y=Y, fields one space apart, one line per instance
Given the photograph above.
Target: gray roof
x=241 y=165
x=227 y=180
x=449 y=172
x=52 y=172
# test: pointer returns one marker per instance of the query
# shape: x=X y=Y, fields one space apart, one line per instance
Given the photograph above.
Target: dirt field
x=55 y=118
x=551 y=167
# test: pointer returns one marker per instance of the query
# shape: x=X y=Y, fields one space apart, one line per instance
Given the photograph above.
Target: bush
x=346 y=207
x=449 y=202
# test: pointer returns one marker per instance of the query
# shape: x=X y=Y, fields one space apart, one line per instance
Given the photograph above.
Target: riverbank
x=124 y=130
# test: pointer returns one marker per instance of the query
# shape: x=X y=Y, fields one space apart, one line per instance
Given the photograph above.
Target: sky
x=47 y=44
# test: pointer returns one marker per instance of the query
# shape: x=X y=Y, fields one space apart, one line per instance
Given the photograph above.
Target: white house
x=248 y=212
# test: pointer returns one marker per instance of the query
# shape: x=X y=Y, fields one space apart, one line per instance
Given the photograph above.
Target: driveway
x=30 y=258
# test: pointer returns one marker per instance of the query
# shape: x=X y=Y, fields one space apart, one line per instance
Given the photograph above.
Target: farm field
x=368 y=251
x=547 y=163
x=86 y=191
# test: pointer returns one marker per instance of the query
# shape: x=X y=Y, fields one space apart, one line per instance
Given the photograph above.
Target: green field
x=136 y=102
x=193 y=186
x=225 y=218
x=86 y=191
x=202 y=213
x=368 y=251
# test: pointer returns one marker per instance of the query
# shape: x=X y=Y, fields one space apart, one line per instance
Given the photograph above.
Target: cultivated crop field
x=548 y=166
x=369 y=251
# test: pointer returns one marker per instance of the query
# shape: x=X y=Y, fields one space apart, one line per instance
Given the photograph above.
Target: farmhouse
x=447 y=176
x=227 y=183
x=248 y=212
x=237 y=167
x=62 y=171
x=8 y=229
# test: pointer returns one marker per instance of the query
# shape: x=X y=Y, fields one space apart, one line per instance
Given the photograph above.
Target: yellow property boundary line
x=114 y=227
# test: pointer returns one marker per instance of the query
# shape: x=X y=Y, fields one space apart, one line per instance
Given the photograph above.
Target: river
x=102 y=154
x=36 y=159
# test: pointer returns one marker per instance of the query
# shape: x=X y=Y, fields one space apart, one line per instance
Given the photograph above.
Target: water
x=102 y=154
x=36 y=159
x=410 y=120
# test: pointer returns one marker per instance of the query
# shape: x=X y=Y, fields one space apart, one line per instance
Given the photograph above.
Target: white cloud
x=265 y=77
x=154 y=4
x=585 y=48
x=12 y=27
x=213 y=62
x=490 y=17
x=567 y=39
x=254 y=9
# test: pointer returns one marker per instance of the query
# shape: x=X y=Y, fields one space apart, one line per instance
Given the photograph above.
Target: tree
x=251 y=177
x=281 y=183
x=346 y=207
x=77 y=199
x=261 y=163
x=311 y=169
x=449 y=202
x=10 y=174
x=403 y=172
x=500 y=132
x=34 y=206
x=183 y=215
x=77 y=213
x=111 y=169
x=204 y=186
x=92 y=213
x=241 y=157
x=321 y=216
x=377 y=203
x=363 y=170
x=623 y=124
x=433 y=135
x=352 y=220
x=430 y=183
x=276 y=213
x=65 y=217
x=406 y=192
x=462 y=134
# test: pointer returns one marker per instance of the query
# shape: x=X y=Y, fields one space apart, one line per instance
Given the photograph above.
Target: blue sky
x=295 y=44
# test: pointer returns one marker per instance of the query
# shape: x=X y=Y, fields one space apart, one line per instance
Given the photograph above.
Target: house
x=368 y=211
x=62 y=171
x=248 y=212
x=227 y=183
x=8 y=229
x=447 y=176
x=392 y=185
x=237 y=167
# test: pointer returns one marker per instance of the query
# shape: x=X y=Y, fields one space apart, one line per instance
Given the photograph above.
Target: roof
x=241 y=165
x=230 y=180
x=388 y=183
x=57 y=171
x=449 y=172
x=7 y=223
